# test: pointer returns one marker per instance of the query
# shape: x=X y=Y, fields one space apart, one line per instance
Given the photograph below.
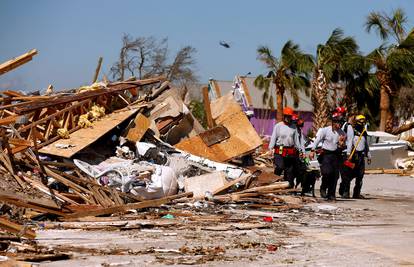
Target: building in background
x=263 y=118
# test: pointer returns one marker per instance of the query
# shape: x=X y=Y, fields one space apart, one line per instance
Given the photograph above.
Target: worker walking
x=300 y=169
x=333 y=141
x=356 y=151
x=349 y=131
x=285 y=145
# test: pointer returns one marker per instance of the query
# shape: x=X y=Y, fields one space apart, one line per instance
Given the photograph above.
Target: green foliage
x=332 y=55
x=197 y=109
x=292 y=68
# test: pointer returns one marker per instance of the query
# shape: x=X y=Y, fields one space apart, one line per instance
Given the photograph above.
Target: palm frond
x=265 y=55
x=408 y=42
x=398 y=21
x=376 y=20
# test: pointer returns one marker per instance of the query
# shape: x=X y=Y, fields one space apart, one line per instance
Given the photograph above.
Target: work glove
x=311 y=155
x=369 y=158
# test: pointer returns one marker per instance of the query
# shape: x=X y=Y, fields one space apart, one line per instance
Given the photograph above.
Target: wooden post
x=98 y=68
x=246 y=91
x=216 y=88
x=207 y=108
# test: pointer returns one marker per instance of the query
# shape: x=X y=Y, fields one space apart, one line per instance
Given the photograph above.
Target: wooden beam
x=8 y=120
x=98 y=68
x=132 y=206
x=230 y=184
x=216 y=88
x=207 y=108
x=16 y=62
x=16 y=228
x=246 y=91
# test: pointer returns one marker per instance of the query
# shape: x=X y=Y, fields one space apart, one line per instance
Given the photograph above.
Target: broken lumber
x=267 y=188
x=230 y=184
x=207 y=108
x=16 y=228
x=16 y=62
x=132 y=206
x=141 y=125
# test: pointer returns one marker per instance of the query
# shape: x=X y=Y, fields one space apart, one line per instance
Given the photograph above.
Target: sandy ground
x=377 y=231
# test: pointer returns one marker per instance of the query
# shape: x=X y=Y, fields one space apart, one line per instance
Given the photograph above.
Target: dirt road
x=377 y=231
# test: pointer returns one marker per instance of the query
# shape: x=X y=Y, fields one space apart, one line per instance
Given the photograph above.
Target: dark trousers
x=299 y=171
x=287 y=166
x=330 y=173
x=349 y=174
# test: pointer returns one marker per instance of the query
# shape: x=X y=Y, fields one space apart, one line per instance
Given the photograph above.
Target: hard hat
x=288 y=111
x=360 y=119
x=300 y=123
x=295 y=117
x=337 y=117
x=341 y=110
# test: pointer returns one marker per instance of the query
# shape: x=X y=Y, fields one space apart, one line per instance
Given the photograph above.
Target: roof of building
x=305 y=103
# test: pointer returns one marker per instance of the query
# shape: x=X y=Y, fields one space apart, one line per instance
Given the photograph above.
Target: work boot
x=358 y=197
x=323 y=193
x=331 y=198
x=345 y=195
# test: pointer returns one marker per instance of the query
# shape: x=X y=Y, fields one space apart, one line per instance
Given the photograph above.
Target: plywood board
x=243 y=137
x=86 y=136
x=142 y=124
x=207 y=182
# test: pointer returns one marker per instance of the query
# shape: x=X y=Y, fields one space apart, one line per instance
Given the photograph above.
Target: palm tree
x=393 y=63
x=289 y=72
x=328 y=68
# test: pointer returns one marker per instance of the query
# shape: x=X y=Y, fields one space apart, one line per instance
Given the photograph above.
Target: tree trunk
x=122 y=64
x=280 y=91
x=385 y=101
x=320 y=100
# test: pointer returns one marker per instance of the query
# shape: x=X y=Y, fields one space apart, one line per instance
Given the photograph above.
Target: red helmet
x=288 y=111
x=300 y=123
x=341 y=110
x=337 y=117
x=295 y=117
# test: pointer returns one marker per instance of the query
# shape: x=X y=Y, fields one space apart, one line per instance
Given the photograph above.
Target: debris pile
x=114 y=148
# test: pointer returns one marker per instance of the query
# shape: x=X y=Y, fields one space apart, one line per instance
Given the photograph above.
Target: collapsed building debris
x=115 y=148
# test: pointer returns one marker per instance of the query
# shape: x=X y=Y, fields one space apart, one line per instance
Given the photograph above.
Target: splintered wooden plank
x=207 y=108
x=141 y=125
x=16 y=228
x=8 y=120
x=130 y=206
x=86 y=136
x=243 y=137
x=15 y=62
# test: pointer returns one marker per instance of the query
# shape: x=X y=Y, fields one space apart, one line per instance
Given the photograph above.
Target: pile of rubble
x=117 y=148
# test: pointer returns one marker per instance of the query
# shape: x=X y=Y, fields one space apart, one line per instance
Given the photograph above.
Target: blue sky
x=71 y=35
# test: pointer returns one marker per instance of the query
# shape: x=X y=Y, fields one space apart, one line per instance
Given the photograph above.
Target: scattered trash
x=267 y=219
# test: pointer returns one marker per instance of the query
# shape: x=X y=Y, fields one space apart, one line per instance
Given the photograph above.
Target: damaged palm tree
x=289 y=72
x=393 y=63
x=329 y=58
